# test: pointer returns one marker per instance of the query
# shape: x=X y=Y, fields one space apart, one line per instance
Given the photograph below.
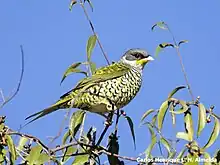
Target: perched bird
x=108 y=89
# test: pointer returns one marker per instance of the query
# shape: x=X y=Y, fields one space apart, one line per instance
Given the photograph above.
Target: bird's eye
x=138 y=55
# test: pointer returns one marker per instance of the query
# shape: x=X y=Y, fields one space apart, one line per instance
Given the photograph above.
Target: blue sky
x=53 y=38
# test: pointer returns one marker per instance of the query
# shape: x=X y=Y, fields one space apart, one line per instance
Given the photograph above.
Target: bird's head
x=137 y=58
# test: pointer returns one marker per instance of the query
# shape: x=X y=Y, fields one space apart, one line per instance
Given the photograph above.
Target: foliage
x=83 y=147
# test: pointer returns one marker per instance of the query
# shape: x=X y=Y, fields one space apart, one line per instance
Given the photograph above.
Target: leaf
x=42 y=159
x=34 y=155
x=90 y=4
x=154 y=120
x=131 y=125
x=166 y=145
x=76 y=121
x=80 y=160
x=73 y=2
x=65 y=137
x=72 y=69
x=22 y=142
x=113 y=147
x=67 y=155
x=192 y=160
x=172 y=114
x=11 y=148
x=90 y=46
x=161 y=25
x=175 y=91
x=3 y=153
x=214 y=134
x=181 y=154
x=160 y=47
x=92 y=67
x=183 y=135
x=183 y=109
x=201 y=118
x=161 y=114
x=189 y=125
x=207 y=157
x=183 y=41
x=153 y=142
x=146 y=114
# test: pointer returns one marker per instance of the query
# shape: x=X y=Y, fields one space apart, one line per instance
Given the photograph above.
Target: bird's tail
x=58 y=105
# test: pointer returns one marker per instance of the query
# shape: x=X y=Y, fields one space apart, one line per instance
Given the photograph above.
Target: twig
x=2 y=95
x=106 y=128
x=35 y=139
x=93 y=30
x=181 y=63
x=20 y=80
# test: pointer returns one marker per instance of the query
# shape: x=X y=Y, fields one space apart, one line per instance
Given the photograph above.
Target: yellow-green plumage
x=108 y=89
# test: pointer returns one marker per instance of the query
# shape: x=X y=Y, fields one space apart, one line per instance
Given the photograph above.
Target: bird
x=110 y=88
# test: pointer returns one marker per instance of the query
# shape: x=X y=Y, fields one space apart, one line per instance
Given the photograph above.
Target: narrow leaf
x=175 y=91
x=161 y=114
x=166 y=145
x=72 y=69
x=189 y=125
x=183 y=135
x=181 y=154
x=90 y=4
x=182 y=42
x=172 y=114
x=131 y=125
x=161 y=25
x=201 y=118
x=153 y=141
x=65 y=137
x=73 y=2
x=214 y=134
x=160 y=47
x=76 y=121
x=92 y=67
x=148 y=112
x=67 y=155
x=90 y=46
x=11 y=148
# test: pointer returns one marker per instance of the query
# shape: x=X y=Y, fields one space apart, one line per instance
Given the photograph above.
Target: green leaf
x=92 y=67
x=34 y=155
x=73 y=2
x=160 y=47
x=3 y=153
x=67 y=155
x=90 y=4
x=166 y=145
x=72 y=69
x=183 y=135
x=11 y=148
x=181 y=154
x=90 y=46
x=131 y=125
x=113 y=147
x=192 y=160
x=76 y=121
x=172 y=114
x=214 y=134
x=182 y=42
x=146 y=114
x=161 y=114
x=183 y=109
x=153 y=141
x=201 y=118
x=80 y=160
x=207 y=157
x=189 y=125
x=22 y=142
x=154 y=120
x=65 y=137
x=175 y=91
x=42 y=159
x=161 y=25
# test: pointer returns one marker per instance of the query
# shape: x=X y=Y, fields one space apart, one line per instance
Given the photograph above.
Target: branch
x=20 y=80
x=93 y=30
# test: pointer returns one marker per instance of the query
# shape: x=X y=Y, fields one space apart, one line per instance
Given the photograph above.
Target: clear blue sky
x=53 y=38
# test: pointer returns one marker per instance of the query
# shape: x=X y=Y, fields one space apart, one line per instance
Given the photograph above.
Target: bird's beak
x=145 y=60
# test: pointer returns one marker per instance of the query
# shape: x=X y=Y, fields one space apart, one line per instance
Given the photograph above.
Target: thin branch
x=2 y=95
x=181 y=63
x=93 y=30
x=20 y=80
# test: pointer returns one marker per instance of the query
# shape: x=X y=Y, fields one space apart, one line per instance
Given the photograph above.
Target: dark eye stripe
x=139 y=55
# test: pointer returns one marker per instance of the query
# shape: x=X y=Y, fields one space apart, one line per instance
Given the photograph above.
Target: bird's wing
x=102 y=74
